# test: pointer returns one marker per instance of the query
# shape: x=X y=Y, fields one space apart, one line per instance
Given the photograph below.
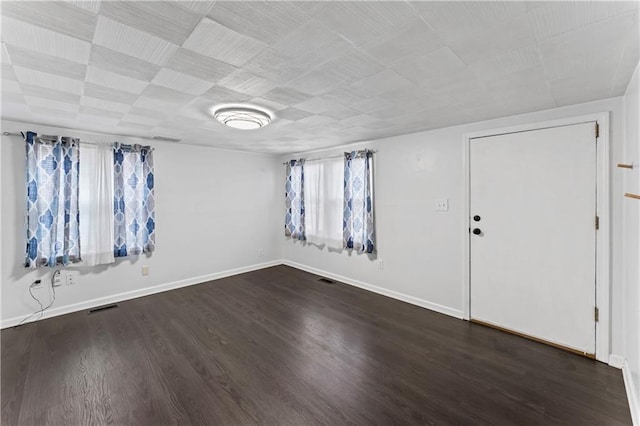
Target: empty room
x=320 y=212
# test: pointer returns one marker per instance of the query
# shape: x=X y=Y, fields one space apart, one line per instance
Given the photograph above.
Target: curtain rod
x=20 y=134
x=154 y=138
x=326 y=158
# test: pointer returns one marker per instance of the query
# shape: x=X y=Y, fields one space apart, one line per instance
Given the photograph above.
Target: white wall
x=631 y=242
x=214 y=210
x=422 y=249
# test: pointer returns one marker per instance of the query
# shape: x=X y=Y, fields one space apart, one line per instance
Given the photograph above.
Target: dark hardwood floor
x=277 y=346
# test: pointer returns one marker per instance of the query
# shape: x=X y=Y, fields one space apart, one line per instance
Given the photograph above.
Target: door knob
x=476 y=218
x=477 y=231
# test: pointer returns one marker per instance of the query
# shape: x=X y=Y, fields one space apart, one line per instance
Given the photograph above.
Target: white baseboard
x=375 y=289
x=634 y=403
x=88 y=304
x=616 y=361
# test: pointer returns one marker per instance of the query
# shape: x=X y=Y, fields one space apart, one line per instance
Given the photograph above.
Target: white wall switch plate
x=442 y=205
x=145 y=270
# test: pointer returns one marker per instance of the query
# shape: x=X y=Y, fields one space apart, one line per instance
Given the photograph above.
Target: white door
x=533 y=236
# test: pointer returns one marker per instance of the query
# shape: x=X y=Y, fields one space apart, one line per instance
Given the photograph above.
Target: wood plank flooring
x=277 y=346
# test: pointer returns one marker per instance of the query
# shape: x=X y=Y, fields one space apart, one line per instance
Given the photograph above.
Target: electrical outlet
x=145 y=270
x=57 y=279
x=72 y=279
x=260 y=252
x=380 y=264
x=442 y=205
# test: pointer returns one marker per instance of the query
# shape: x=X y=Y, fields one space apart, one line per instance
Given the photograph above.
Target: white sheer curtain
x=96 y=204
x=323 y=201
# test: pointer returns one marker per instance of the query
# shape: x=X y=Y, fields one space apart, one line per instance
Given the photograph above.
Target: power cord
x=42 y=309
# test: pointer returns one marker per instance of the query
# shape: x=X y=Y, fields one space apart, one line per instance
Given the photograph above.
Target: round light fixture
x=244 y=118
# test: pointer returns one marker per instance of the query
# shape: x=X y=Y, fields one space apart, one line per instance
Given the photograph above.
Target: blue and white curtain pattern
x=294 y=198
x=358 y=224
x=134 y=207
x=53 y=232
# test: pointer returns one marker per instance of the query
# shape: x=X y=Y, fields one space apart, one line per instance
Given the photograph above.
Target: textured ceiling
x=331 y=72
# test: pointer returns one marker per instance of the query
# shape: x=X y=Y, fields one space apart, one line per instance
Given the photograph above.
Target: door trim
x=603 y=286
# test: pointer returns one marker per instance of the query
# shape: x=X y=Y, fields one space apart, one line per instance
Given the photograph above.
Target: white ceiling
x=331 y=72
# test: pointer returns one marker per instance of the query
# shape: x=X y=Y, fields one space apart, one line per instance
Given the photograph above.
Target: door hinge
x=596 y=313
x=597 y=130
x=597 y=222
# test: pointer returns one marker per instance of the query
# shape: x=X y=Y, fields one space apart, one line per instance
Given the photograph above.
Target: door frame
x=602 y=285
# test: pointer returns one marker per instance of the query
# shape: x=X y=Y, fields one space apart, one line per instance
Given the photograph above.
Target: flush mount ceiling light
x=245 y=118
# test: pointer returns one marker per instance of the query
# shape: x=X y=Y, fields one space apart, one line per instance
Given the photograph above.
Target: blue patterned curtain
x=358 y=224
x=53 y=232
x=294 y=196
x=134 y=220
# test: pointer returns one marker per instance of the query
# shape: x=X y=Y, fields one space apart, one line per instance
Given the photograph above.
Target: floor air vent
x=326 y=280
x=103 y=308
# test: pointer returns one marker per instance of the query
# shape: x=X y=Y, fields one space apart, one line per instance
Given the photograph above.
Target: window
x=134 y=204
x=52 y=218
x=324 y=201
x=330 y=201
x=96 y=204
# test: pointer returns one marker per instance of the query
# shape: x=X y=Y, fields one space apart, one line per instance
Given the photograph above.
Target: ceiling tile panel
x=156 y=104
x=275 y=66
x=572 y=51
x=134 y=125
x=98 y=122
x=201 y=7
x=44 y=92
x=435 y=64
x=60 y=17
x=181 y=82
x=101 y=112
x=44 y=41
x=454 y=20
x=41 y=113
x=115 y=81
x=415 y=40
x=293 y=114
x=199 y=66
x=45 y=63
x=92 y=6
x=267 y=21
x=267 y=104
x=104 y=104
x=501 y=64
x=148 y=121
x=165 y=20
x=217 y=41
x=49 y=103
x=245 y=82
x=221 y=94
x=149 y=113
x=130 y=41
x=286 y=96
x=493 y=42
x=108 y=93
x=122 y=64
x=47 y=80
x=165 y=94
x=359 y=22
